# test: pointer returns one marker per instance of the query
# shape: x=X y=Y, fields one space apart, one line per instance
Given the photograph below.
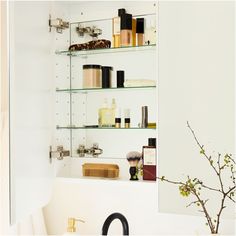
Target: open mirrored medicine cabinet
x=50 y=108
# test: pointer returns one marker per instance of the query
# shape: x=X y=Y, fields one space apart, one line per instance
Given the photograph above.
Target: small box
x=101 y=170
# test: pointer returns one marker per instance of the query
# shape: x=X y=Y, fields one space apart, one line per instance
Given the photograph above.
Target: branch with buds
x=193 y=186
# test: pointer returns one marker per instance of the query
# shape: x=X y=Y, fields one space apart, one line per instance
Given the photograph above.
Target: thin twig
x=201 y=147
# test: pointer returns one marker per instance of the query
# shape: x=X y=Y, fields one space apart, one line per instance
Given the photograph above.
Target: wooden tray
x=101 y=170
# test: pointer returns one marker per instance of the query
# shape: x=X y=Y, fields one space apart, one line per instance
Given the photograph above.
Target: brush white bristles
x=131 y=156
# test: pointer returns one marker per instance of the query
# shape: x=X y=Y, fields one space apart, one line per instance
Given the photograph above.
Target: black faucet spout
x=112 y=217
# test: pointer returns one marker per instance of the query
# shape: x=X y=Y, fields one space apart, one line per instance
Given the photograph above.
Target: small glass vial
x=127 y=118
x=126 y=30
x=117 y=118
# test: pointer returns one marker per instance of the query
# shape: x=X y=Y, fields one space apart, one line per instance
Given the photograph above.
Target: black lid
x=120 y=77
x=121 y=11
x=140 y=25
x=107 y=68
x=90 y=66
x=117 y=120
x=152 y=142
x=126 y=21
x=120 y=73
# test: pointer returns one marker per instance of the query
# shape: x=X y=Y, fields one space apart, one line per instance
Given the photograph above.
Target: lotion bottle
x=71 y=229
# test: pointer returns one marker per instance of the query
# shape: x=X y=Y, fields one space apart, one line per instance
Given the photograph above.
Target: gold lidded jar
x=92 y=76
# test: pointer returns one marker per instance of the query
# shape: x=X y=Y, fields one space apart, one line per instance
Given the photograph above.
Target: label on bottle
x=116 y=26
x=149 y=156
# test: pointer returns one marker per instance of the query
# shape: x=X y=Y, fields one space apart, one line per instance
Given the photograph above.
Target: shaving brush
x=133 y=159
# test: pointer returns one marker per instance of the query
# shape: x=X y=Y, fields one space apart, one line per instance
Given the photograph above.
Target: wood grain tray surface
x=101 y=170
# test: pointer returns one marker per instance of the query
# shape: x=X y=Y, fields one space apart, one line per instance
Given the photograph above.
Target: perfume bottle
x=116 y=28
x=104 y=115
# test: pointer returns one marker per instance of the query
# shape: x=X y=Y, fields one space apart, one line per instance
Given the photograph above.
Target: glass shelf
x=151 y=14
x=104 y=89
x=106 y=50
x=102 y=128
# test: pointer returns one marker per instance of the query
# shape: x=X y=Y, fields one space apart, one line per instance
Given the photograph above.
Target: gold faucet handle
x=71 y=224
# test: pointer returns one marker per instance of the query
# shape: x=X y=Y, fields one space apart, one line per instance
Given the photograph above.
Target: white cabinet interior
x=76 y=107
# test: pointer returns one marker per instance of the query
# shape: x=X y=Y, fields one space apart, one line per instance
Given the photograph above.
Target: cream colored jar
x=92 y=76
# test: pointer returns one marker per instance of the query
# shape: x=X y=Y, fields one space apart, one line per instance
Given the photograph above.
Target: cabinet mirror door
x=30 y=107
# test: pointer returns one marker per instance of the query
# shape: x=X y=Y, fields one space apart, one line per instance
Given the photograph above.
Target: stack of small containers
x=127 y=31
